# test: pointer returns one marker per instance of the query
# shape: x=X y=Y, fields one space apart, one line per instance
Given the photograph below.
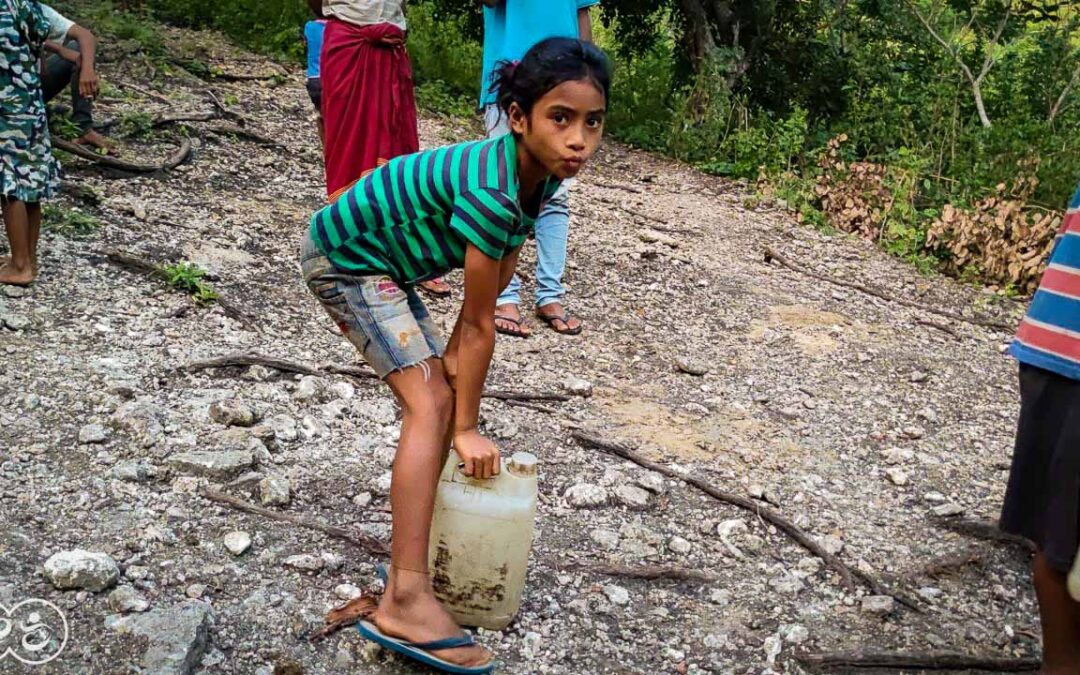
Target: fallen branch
x=531 y=406
x=240 y=132
x=984 y=530
x=764 y=512
x=771 y=255
x=183 y=116
x=618 y=186
x=939 y=326
x=358 y=539
x=146 y=92
x=952 y=563
x=178 y=158
x=925 y=661
x=225 y=111
x=646 y=572
x=334 y=369
x=242 y=77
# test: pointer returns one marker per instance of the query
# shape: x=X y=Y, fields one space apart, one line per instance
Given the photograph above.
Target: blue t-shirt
x=313 y=34
x=512 y=28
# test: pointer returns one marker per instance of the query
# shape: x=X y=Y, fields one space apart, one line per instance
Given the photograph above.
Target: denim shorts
x=387 y=322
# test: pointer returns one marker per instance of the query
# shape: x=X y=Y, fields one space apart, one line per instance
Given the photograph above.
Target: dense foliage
x=938 y=102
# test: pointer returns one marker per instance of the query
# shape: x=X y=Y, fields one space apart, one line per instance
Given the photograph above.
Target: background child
x=467 y=206
x=28 y=171
x=1042 y=502
x=313 y=41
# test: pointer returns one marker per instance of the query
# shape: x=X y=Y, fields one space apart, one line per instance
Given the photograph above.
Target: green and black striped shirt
x=413 y=218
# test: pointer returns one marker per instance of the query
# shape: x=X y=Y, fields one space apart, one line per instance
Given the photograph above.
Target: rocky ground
x=853 y=416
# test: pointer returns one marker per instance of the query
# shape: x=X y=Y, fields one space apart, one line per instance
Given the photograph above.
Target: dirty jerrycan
x=481 y=534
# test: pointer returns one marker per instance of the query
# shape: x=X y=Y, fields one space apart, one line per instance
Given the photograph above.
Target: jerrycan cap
x=523 y=464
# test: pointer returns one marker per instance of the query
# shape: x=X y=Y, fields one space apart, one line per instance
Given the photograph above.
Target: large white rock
x=89 y=570
x=586 y=495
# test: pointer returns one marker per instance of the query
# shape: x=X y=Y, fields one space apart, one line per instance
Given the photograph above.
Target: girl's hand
x=479 y=454
x=88 y=82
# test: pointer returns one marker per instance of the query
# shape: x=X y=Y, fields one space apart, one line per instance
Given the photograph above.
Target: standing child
x=28 y=171
x=1042 y=502
x=467 y=206
x=313 y=41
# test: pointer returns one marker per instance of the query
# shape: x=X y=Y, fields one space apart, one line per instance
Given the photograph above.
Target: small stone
x=617 y=594
x=679 y=545
x=935 y=498
x=586 y=495
x=311 y=427
x=787 y=583
x=176 y=637
x=332 y=561
x=575 y=386
x=213 y=464
x=530 y=645
x=237 y=542
x=232 y=413
x=756 y=491
x=342 y=390
x=913 y=432
x=947 y=510
x=304 y=563
x=134 y=471
x=125 y=599
x=285 y=428
x=15 y=322
x=632 y=496
x=93 y=433
x=195 y=591
x=607 y=539
x=15 y=292
x=89 y=570
x=347 y=592
x=382 y=484
x=653 y=482
x=919 y=376
x=929 y=593
x=832 y=544
x=362 y=500
x=878 y=605
x=720 y=596
x=692 y=366
x=274 y=491
x=796 y=634
x=897 y=476
x=309 y=389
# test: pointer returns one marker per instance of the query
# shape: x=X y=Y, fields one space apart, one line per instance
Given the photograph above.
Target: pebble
x=795 y=633
x=237 y=542
x=15 y=322
x=213 y=464
x=362 y=500
x=309 y=388
x=832 y=544
x=632 y=496
x=607 y=539
x=947 y=510
x=679 y=545
x=913 y=432
x=586 y=495
x=285 y=428
x=617 y=594
x=125 y=599
x=692 y=366
x=77 y=568
x=878 y=605
x=232 y=413
x=382 y=483
x=575 y=386
x=274 y=491
x=897 y=476
x=720 y=596
x=134 y=471
x=342 y=390
x=15 y=292
x=304 y=562
x=195 y=591
x=653 y=482
x=93 y=433
x=347 y=592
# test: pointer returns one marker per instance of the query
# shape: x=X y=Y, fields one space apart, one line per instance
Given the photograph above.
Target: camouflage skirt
x=28 y=170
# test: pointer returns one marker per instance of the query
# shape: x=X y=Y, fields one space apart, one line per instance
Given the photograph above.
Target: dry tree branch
x=177 y=158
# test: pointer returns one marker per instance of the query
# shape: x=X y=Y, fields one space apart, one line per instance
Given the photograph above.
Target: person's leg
x=1060 y=616
x=82 y=112
x=408 y=608
x=552 y=233
x=22 y=238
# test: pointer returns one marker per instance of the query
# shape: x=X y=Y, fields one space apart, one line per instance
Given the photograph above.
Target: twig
x=925 y=661
x=360 y=540
x=146 y=92
x=225 y=111
x=351 y=371
x=242 y=77
x=771 y=255
x=346 y=615
x=524 y=396
x=940 y=326
x=984 y=530
x=647 y=572
x=764 y=512
x=185 y=116
x=531 y=406
x=952 y=563
x=240 y=132
x=178 y=158
x=618 y=186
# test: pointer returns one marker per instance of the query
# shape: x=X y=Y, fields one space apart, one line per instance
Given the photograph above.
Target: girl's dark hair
x=547 y=65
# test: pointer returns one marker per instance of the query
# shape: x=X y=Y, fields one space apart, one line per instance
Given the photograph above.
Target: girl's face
x=564 y=128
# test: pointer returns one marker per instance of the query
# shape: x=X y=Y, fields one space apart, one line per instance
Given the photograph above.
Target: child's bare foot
x=14 y=276
x=415 y=615
x=96 y=140
x=6 y=259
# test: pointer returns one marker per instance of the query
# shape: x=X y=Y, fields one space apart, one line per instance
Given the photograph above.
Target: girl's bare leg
x=22 y=233
x=409 y=608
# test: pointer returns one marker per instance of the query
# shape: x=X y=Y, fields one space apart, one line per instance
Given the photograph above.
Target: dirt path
x=853 y=418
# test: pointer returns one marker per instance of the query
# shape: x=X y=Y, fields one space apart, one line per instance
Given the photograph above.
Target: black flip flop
x=506 y=331
x=565 y=318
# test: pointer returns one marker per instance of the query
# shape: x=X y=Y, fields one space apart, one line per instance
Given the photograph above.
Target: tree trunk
x=699 y=39
x=976 y=90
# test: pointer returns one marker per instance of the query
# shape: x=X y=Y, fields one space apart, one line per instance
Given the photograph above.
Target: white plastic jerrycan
x=481 y=535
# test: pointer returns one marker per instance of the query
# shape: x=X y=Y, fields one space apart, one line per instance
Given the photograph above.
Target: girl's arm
x=468 y=356
x=88 y=77
x=584 y=22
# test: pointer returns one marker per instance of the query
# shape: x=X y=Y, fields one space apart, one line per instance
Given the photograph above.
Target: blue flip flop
x=419 y=651
x=383 y=573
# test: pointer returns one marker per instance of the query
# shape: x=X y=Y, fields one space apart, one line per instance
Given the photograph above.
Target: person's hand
x=479 y=454
x=88 y=82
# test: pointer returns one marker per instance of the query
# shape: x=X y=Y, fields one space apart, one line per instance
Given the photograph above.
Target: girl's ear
x=519 y=121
